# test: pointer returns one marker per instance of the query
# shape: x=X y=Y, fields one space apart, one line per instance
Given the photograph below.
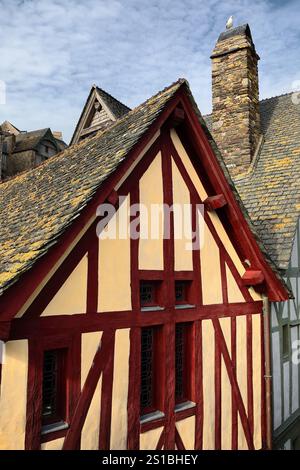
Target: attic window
x=97 y=106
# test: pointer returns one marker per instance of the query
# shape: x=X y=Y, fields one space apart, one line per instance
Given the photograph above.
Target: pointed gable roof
x=62 y=188
x=100 y=110
x=8 y=127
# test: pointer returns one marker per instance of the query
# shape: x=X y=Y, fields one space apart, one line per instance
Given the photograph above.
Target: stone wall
x=236 y=119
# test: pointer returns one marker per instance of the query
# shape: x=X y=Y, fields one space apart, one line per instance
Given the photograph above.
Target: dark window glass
x=180 y=362
x=147 y=294
x=180 y=292
x=54 y=386
x=147 y=354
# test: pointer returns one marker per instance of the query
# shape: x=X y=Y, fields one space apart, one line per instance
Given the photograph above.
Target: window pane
x=50 y=383
x=147 y=293
x=180 y=291
x=146 y=369
x=179 y=363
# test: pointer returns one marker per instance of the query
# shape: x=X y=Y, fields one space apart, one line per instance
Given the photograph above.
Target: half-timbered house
x=134 y=342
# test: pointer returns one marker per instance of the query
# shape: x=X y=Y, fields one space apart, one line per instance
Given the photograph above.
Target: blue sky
x=52 y=51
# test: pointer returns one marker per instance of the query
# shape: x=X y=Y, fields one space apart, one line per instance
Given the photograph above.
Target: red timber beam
x=133 y=401
x=253 y=277
x=233 y=381
x=213 y=203
x=241 y=231
x=178 y=441
x=42 y=326
x=169 y=266
x=101 y=358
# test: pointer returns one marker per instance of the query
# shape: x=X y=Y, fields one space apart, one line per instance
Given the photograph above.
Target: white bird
x=229 y=23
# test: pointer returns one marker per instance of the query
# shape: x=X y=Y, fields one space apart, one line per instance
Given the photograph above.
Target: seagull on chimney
x=229 y=23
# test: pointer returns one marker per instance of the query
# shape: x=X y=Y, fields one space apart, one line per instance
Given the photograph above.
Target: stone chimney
x=235 y=117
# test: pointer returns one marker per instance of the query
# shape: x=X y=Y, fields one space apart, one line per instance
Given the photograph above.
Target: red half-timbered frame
x=40 y=330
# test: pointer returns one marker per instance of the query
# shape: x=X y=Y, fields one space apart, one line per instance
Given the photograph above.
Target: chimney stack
x=235 y=117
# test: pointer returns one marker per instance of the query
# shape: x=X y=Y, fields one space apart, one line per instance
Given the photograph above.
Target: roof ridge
x=111 y=96
x=90 y=139
x=277 y=96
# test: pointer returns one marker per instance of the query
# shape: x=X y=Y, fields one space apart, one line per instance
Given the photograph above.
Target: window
x=147 y=294
x=54 y=386
x=183 y=292
x=151 y=399
x=285 y=341
x=150 y=293
x=183 y=358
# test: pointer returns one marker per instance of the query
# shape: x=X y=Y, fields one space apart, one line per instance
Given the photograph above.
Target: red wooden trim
x=150 y=275
x=224 y=279
x=133 y=404
x=37 y=347
x=83 y=404
x=113 y=197
x=276 y=290
x=198 y=386
x=234 y=416
x=66 y=324
x=234 y=384
x=263 y=388
x=252 y=277
x=197 y=284
x=177 y=117
x=195 y=197
x=250 y=373
x=215 y=202
x=178 y=440
x=169 y=329
x=161 y=440
x=106 y=401
x=34 y=396
x=92 y=280
x=158 y=423
x=169 y=333
x=218 y=397
x=184 y=275
x=4 y=330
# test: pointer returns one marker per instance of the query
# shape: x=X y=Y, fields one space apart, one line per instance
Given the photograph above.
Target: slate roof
x=270 y=190
x=61 y=187
x=118 y=109
x=57 y=190
x=29 y=140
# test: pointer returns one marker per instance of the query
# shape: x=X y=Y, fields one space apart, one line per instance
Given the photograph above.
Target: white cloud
x=53 y=50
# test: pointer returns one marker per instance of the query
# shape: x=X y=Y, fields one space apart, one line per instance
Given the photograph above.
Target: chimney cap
x=243 y=30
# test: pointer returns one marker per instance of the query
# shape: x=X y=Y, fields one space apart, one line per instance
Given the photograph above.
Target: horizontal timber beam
x=69 y=324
